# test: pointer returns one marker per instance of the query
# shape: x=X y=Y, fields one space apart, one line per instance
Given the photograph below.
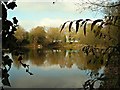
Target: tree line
x=44 y=37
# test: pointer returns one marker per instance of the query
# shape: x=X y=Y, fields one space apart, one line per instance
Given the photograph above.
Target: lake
x=52 y=69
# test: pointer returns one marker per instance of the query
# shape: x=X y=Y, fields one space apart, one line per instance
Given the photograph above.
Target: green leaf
x=77 y=24
x=82 y=23
x=85 y=28
x=70 y=25
x=77 y=27
x=79 y=20
x=94 y=22
x=63 y=26
x=85 y=23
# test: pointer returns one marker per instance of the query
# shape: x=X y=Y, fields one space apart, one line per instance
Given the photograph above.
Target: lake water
x=52 y=69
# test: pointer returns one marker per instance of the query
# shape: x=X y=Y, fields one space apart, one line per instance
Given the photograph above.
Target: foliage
x=8 y=27
x=103 y=22
x=109 y=24
x=38 y=35
x=20 y=33
x=22 y=36
x=54 y=35
x=9 y=41
x=98 y=31
x=109 y=54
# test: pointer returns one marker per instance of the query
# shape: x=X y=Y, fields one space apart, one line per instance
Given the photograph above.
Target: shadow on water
x=110 y=78
x=100 y=64
x=63 y=58
x=6 y=65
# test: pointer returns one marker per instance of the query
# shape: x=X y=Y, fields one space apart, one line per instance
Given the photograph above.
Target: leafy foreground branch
x=108 y=20
x=110 y=78
x=110 y=54
x=9 y=42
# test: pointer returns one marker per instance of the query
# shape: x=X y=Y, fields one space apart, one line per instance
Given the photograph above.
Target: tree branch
x=103 y=5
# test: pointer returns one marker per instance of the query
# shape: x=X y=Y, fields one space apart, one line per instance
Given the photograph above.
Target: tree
x=22 y=36
x=53 y=35
x=109 y=22
x=38 y=35
x=108 y=30
x=20 y=33
x=114 y=11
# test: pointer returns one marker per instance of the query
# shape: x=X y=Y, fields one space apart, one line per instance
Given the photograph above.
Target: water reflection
x=63 y=58
x=53 y=69
x=87 y=68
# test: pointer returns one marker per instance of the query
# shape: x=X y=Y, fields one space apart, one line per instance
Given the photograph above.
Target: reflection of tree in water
x=67 y=58
x=15 y=54
x=37 y=57
x=63 y=58
x=110 y=78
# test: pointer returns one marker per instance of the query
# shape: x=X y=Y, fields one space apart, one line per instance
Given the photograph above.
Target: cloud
x=48 y=22
x=43 y=13
x=28 y=24
x=46 y=6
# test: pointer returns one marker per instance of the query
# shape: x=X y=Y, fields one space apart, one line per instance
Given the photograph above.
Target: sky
x=33 y=13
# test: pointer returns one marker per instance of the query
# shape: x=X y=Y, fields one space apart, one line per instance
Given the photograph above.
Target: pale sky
x=32 y=13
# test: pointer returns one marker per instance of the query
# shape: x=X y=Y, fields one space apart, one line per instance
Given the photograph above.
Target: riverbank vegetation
x=51 y=37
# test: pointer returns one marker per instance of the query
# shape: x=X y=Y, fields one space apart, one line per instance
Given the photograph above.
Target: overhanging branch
x=115 y=5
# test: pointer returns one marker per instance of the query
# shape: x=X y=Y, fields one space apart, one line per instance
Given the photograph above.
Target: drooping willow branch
x=109 y=20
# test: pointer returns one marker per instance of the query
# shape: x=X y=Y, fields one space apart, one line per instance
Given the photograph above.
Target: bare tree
x=97 y=5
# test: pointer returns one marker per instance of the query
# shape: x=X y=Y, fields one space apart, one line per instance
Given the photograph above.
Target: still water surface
x=52 y=69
